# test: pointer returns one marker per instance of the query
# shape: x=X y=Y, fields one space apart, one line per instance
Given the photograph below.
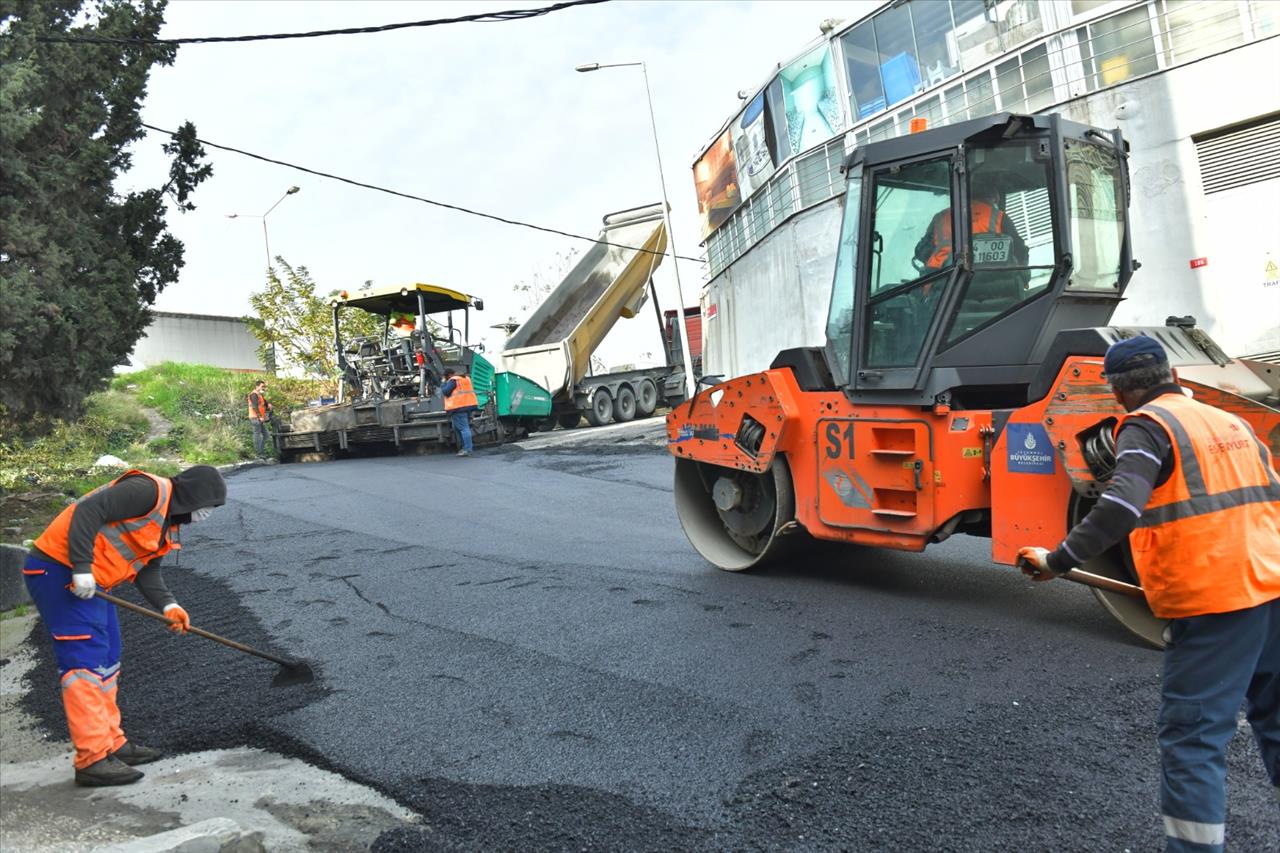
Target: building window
x=898 y=66
x=1037 y=80
x=866 y=94
x=976 y=36
x=982 y=99
x=1118 y=48
x=1196 y=29
x=1018 y=21
x=935 y=46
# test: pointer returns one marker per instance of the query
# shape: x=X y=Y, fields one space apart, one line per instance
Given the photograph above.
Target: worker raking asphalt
x=522 y=647
x=187 y=693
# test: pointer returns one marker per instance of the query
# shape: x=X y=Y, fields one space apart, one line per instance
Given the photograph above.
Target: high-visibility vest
x=258 y=407
x=941 y=228
x=463 y=396
x=121 y=548
x=1208 y=541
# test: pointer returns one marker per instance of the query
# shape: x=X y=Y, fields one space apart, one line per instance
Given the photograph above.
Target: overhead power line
x=475 y=18
x=412 y=197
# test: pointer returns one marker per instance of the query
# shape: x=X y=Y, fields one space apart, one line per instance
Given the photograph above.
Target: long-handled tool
x=291 y=671
x=1098 y=581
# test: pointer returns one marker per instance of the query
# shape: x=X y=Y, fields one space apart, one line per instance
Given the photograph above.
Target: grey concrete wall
x=776 y=295
x=196 y=339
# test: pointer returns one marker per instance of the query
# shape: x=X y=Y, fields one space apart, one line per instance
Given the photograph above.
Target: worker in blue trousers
x=1197 y=494
x=460 y=401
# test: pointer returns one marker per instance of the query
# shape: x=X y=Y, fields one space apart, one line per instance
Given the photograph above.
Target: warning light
x=919 y=123
x=343 y=294
x=1197 y=263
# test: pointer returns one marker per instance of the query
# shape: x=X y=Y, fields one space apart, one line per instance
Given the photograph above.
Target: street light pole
x=689 y=381
x=265 y=242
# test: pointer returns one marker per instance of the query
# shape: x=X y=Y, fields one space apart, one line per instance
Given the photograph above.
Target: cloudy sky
x=487 y=116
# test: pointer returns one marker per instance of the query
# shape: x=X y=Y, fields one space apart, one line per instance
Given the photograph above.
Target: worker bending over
x=118 y=532
x=460 y=401
x=1197 y=494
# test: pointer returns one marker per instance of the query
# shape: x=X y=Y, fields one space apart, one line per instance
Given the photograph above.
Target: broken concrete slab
x=277 y=803
x=215 y=835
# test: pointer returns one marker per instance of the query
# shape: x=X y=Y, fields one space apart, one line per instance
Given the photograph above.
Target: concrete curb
x=215 y=835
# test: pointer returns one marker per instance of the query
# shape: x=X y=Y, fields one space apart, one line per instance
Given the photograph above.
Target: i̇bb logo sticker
x=1030 y=451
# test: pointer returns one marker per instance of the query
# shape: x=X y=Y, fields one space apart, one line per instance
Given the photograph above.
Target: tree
x=297 y=323
x=80 y=264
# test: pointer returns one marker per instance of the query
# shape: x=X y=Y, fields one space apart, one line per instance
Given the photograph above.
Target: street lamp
x=689 y=381
x=266 y=243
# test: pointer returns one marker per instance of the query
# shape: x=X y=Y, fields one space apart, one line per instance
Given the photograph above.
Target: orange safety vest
x=1209 y=538
x=463 y=395
x=258 y=410
x=982 y=222
x=121 y=548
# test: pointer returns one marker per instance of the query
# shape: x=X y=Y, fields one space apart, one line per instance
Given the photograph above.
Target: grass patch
x=205 y=421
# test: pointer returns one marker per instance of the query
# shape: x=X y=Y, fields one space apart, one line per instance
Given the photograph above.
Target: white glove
x=202 y=513
x=83 y=585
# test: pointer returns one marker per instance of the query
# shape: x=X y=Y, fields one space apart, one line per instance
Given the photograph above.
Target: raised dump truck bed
x=611 y=281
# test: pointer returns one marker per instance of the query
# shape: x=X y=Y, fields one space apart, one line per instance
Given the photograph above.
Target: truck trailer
x=611 y=281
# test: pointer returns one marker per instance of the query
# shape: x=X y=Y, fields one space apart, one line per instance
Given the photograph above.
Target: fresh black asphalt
x=523 y=647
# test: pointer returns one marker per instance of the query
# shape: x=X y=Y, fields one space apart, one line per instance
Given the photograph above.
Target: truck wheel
x=624 y=408
x=601 y=411
x=646 y=399
x=569 y=420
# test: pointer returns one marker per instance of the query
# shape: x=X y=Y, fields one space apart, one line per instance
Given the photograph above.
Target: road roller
x=960 y=387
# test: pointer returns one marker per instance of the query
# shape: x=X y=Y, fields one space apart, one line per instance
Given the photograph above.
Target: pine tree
x=80 y=264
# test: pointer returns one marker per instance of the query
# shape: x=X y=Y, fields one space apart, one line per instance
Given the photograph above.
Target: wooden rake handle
x=199 y=632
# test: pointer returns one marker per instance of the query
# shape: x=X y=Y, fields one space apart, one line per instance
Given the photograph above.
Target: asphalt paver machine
x=960 y=388
x=389 y=392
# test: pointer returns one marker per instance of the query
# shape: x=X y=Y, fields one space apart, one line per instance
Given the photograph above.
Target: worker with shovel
x=1197 y=494
x=118 y=532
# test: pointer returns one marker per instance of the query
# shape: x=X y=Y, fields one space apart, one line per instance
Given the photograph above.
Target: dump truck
x=389 y=394
x=960 y=389
x=611 y=281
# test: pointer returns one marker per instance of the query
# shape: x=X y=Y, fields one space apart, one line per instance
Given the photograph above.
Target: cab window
x=840 y=315
x=910 y=256
x=1011 y=240
x=1096 y=200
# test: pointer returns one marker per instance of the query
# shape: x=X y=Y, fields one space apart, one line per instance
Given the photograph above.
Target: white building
x=1194 y=86
x=195 y=339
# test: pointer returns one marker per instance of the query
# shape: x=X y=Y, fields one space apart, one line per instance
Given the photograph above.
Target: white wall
x=195 y=339
x=775 y=296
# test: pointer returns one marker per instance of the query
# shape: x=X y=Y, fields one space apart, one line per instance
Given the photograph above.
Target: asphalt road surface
x=523 y=647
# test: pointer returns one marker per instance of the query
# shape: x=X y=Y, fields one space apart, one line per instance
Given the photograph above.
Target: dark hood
x=197 y=487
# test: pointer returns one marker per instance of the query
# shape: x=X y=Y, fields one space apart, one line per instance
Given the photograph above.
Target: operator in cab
x=934 y=250
x=403 y=324
x=460 y=401
x=1197 y=494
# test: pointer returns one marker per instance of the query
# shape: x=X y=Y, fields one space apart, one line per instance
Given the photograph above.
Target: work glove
x=202 y=513
x=83 y=585
x=1034 y=563
x=181 y=621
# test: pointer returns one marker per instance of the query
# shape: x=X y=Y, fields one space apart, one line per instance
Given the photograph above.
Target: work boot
x=106 y=772
x=132 y=754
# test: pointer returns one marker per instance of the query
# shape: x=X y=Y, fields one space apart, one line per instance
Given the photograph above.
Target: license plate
x=990 y=250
